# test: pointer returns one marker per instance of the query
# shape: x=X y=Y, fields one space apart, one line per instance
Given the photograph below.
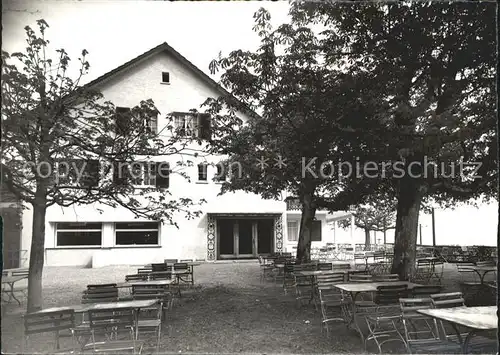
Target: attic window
x=165 y=77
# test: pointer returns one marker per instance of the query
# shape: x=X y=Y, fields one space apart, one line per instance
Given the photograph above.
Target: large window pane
x=136 y=233
x=78 y=234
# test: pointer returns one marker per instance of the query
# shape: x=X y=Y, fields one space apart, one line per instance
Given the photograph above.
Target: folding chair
x=332 y=300
x=325 y=266
x=386 y=278
x=425 y=291
x=304 y=285
x=421 y=332
x=50 y=322
x=436 y=274
x=150 y=321
x=109 y=324
x=382 y=322
x=100 y=293
x=455 y=299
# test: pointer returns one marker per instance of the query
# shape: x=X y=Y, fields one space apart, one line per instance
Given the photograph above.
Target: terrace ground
x=233 y=312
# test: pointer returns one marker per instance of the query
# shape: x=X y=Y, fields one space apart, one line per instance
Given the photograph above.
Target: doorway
x=244 y=238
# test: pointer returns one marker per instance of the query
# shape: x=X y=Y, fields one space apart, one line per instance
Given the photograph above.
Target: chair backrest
x=329 y=279
x=144 y=270
x=45 y=322
x=136 y=277
x=388 y=295
x=359 y=277
x=448 y=300
x=181 y=266
x=170 y=261
x=160 y=275
x=325 y=266
x=485 y=263
x=100 y=293
x=341 y=266
x=425 y=291
x=288 y=268
x=465 y=266
x=158 y=267
x=22 y=272
x=112 y=319
x=148 y=292
x=386 y=277
x=409 y=306
x=379 y=255
x=186 y=260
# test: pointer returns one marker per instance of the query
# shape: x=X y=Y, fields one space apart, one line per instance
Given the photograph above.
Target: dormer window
x=165 y=77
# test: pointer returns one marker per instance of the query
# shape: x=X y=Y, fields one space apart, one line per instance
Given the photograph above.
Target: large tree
x=309 y=115
x=433 y=64
x=63 y=144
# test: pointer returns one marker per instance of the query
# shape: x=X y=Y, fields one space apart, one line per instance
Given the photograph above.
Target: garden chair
x=421 y=332
x=332 y=301
x=325 y=266
x=360 y=262
x=425 y=291
x=436 y=273
x=386 y=278
x=150 y=321
x=359 y=277
x=60 y=323
x=136 y=277
x=341 y=266
x=288 y=278
x=170 y=261
x=145 y=270
x=100 y=293
x=467 y=275
x=383 y=318
x=455 y=299
x=422 y=272
x=267 y=269
x=184 y=274
x=110 y=324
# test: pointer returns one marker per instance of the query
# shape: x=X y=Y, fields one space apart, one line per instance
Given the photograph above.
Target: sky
x=113 y=32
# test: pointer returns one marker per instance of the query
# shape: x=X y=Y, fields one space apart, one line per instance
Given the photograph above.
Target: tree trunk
x=405 y=237
x=36 y=257
x=306 y=221
x=367 y=239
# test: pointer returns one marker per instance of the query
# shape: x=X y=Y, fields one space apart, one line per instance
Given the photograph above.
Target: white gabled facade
x=199 y=238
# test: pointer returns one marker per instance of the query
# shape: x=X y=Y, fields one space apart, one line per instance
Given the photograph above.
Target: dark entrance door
x=245 y=237
x=265 y=236
x=226 y=236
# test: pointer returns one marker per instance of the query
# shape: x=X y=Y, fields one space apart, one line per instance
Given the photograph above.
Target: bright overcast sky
x=114 y=32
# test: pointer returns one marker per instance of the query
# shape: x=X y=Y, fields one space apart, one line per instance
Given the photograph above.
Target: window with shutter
x=122 y=120
x=120 y=172
x=152 y=124
x=202 y=172
x=221 y=174
x=204 y=123
x=78 y=172
x=162 y=175
x=316 y=231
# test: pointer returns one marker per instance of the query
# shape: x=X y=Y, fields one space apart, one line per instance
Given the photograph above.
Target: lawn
x=233 y=312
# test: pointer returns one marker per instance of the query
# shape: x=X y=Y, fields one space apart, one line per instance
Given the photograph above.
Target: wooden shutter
x=90 y=175
x=120 y=177
x=204 y=126
x=162 y=175
x=122 y=120
x=316 y=231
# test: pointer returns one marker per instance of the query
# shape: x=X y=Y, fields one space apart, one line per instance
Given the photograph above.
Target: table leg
x=12 y=295
x=353 y=322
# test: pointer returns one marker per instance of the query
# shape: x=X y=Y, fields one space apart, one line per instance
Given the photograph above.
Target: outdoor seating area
x=325 y=306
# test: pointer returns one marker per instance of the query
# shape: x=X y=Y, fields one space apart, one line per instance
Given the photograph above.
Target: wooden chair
x=304 y=285
x=425 y=291
x=187 y=273
x=267 y=269
x=145 y=270
x=50 y=322
x=136 y=277
x=325 y=266
x=360 y=262
x=110 y=324
x=382 y=320
x=341 y=266
x=467 y=275
x=455 y=299
x=421 y=332
x=332 y=301
x=288 y=277
x=436 y=274
x=170 y=261
x=159 y=267
x=386 y=278
x=100 y=293
x=154 y=292
x=150 y=321
x=359 y=277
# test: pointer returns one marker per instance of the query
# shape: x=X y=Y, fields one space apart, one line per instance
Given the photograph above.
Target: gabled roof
x=165 y=47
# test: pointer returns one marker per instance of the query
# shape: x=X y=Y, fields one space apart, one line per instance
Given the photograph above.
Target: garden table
x=11 y=280
x=481 y=270
x=354 y=289
x=475 y=318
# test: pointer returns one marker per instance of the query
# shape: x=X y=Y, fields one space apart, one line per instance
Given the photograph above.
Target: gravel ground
x=233 y=312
